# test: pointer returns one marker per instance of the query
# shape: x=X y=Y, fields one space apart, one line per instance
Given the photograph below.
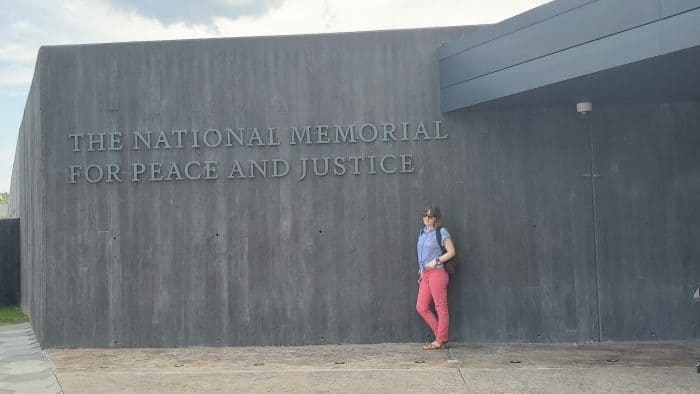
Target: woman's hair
x=433 y=210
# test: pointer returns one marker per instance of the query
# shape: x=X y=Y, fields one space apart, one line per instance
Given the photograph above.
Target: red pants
x=433 y=289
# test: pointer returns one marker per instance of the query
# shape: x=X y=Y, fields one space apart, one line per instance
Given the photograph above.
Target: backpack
x=451 y=265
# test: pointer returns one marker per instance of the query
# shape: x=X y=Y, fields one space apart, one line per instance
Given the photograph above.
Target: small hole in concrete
x=339 y=362
x=259 y=364
x=320 y=231
x=515 y=361
x=218 y=340
x=652 y=333
x=539 y=335
x=178 y=365
x=419 y=361
x=114 y=238
x=534 y=226
x=217 y=234
x=612 y=360
x=323 y=338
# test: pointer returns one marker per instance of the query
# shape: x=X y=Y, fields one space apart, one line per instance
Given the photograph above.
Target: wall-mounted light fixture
x=584 y=107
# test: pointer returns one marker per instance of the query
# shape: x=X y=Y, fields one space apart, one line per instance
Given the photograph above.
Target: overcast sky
x=25 y=25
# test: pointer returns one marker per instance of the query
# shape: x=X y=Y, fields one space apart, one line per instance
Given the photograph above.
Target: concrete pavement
x=649 y=367
x=660 y=367
x=24 y=367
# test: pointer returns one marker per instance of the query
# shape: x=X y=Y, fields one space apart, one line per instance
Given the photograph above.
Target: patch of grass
x=12 y=315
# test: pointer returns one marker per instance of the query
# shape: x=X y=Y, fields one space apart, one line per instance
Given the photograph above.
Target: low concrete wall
x=9 y=262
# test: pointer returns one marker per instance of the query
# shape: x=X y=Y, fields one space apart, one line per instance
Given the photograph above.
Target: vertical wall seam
x=595 y=228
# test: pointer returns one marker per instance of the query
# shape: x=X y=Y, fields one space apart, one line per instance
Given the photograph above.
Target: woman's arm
x=451 y=252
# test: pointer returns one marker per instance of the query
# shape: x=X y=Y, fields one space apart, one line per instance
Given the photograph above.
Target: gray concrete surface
x=386 y=368
x=10 y=265
x=24 y=367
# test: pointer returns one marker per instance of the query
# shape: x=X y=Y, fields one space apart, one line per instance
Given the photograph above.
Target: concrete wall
x=558 y=254
x=647 y=226
x=9 y=262
x=534 y=199
x=27 y=202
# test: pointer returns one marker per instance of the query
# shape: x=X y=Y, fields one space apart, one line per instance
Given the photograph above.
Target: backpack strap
x=438 y=236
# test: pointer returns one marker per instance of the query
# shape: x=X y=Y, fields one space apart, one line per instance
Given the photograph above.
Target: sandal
x=435 y=345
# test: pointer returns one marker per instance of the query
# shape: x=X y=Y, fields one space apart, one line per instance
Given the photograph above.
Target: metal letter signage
x=88 y=148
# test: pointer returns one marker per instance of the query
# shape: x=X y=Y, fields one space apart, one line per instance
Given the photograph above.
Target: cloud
x=7 y=157
x=16 y=64
x=195 y=12
x=18 y=53
x=15 y=75
x=328 y=16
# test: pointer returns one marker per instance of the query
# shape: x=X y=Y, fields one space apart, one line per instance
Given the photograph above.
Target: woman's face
x=428 y=219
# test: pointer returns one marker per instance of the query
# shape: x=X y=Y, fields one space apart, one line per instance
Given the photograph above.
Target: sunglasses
x=425 y=215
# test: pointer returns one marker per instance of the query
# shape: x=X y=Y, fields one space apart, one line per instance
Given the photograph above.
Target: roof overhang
x=578 y=50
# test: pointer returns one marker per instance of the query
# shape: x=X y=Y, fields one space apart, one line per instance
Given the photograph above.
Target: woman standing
x=432 y=277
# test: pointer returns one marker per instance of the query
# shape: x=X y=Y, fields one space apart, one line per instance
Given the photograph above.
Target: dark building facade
x=267 y=191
